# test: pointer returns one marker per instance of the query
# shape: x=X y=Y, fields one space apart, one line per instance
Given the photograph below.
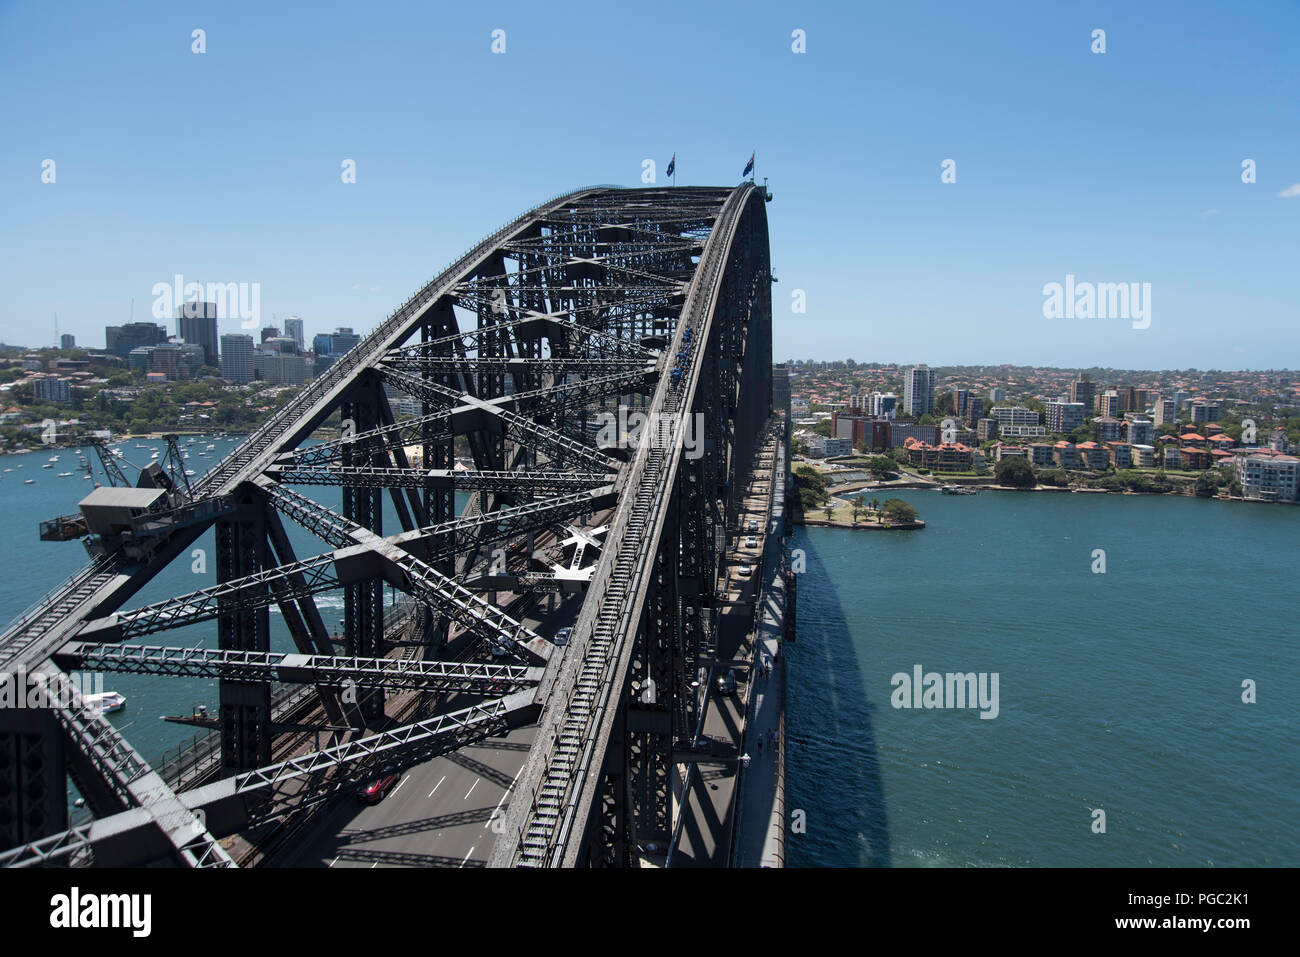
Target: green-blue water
x=1119 y=691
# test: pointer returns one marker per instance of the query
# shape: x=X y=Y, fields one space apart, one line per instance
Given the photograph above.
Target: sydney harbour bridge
x=509 y=489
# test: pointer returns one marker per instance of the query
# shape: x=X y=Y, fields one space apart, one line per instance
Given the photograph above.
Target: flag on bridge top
x=672 y=165
x=749 y=167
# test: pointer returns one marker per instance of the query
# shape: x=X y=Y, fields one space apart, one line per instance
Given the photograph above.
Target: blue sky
x=1115 y=167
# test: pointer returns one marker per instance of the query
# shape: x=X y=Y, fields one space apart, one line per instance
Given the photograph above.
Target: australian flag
x=749 y=167
x=672 y=165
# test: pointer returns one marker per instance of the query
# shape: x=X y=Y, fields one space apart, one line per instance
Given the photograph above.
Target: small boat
x=154 y=456
x=190 y=472
x=8 y=470
x=86 y=478
x=48 y=465
x=106 y=702
x=210 y=448
x=64 y=474
x=53 y=458
x=29 y=481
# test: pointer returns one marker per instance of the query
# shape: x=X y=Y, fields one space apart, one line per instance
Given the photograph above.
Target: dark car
x=726 y=684
x=376 y=790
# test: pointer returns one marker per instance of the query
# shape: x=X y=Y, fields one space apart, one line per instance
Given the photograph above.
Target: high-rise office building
x=334 y=343
x=122 y=340
x=1084 y=390
x=959 y=399
x=276 y=368
x=196 y=323
x=237 y=358
x=918 y=391
x=293 y=330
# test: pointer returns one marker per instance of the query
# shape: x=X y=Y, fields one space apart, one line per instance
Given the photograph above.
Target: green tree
x=882 y=466
x=897 y=512
x=1015 y=472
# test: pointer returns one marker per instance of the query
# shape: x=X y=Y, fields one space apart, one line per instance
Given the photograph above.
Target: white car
x=751 y=542
x=752 y=526
x=744 y=571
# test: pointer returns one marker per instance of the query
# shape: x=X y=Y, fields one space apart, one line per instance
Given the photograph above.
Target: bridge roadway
x=707 y=806
x=440 y=813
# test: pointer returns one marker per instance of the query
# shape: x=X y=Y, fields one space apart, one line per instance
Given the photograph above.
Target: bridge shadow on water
x=832 y=763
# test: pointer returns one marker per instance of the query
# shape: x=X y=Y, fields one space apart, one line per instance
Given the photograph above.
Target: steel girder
x=390 y=673
x=107 y=769
x=531 y=482
x=363 y=562
x=443 y=540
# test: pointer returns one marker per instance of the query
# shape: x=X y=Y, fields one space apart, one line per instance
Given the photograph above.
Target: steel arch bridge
x=523 y=351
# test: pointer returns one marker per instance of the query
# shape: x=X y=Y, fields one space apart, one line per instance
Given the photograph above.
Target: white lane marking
x=504 y=794
x=399 y=785
x=471 y=851
x=471 y=789
x=438 y=785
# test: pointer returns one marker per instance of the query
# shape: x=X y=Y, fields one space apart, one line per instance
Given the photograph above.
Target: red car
x=376 y=790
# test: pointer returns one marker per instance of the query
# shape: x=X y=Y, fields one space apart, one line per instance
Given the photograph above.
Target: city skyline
x=866 y=234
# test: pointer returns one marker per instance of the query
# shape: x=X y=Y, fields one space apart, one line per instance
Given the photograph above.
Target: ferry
x=106 y=702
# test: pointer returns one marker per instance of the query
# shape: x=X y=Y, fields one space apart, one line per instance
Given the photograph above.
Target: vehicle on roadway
x=376 y=790
x=752 y=526
x=744 y=571
x=726 y=683
x=751 y=542
x=562 y=636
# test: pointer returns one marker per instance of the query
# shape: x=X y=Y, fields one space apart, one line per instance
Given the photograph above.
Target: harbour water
x=1118 y=691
